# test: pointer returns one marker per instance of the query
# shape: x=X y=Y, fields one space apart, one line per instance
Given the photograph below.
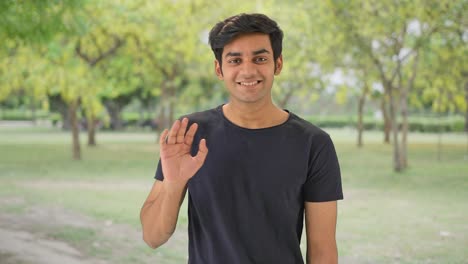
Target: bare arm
x=321 y=230
x=160 y=212
x=161 y=209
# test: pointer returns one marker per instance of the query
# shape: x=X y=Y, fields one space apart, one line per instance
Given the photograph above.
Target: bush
x=132 y=119
x=21 y=115
x=416 y=124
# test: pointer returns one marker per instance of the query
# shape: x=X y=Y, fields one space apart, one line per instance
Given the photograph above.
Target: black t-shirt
x=246 y=203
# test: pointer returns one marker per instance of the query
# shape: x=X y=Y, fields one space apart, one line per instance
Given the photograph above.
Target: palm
x=177 y=162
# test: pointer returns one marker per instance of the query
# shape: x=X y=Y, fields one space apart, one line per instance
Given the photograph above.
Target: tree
x=100 y=46
x=36 y=22
x=72 y=80
x=391 y=35
x=304 y=61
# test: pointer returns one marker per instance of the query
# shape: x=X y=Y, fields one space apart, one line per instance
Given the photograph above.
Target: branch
x=93 y=38
x=286 y=98
x=102 y=55
x=415 y=69
x=397 y=50
x=378 y=64
x=148 y=53
x=80 y=53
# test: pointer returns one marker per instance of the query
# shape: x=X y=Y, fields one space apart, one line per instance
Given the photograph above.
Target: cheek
x=229 y=74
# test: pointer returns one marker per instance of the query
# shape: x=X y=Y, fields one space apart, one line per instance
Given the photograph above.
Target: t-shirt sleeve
x=324 y=177
x=159 y=174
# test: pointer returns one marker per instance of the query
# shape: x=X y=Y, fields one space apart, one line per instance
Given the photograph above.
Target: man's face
x=248 y=68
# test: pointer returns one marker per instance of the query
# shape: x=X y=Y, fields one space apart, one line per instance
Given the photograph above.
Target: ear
x=279 y=65
x=218 y=70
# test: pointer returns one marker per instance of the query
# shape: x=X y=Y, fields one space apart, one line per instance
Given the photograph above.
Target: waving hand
x=178 y=165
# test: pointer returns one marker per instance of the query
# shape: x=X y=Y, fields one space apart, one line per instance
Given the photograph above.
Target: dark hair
x=225 y=31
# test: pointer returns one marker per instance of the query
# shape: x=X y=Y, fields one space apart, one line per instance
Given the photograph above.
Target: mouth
x=249 y=83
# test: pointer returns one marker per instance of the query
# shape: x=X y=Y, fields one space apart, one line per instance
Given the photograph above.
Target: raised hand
x=177 y=163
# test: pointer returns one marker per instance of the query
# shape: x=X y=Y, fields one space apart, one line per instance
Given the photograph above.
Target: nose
x=248 y=70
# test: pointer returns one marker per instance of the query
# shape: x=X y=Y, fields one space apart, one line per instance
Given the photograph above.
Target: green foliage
x=18 y=114
x=34 y=21
x=416 y=124
x=378 y=39
x=157 y=52
x=444 y=67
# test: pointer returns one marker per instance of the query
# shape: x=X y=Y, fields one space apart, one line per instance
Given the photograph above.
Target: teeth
x=249 y=83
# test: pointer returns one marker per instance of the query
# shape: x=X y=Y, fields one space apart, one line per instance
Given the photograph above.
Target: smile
x=249 y=83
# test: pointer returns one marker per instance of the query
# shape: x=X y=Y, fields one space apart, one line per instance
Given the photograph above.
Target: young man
x=251 y=168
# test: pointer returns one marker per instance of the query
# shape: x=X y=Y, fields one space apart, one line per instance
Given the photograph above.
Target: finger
x=172 y=139
x=182 y=129
x=191 y=134
x=162 y=138
x=202 y=151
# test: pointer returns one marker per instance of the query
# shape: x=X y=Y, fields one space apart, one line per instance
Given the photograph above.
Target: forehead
x=247 y=43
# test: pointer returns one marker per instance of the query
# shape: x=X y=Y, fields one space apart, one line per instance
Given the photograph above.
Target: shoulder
x=207 y=120
x=204 y=117
x=307 y=130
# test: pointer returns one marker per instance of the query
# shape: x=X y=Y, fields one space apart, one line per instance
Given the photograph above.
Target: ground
x=57 y=210
x=25 y=237
x=30 y=236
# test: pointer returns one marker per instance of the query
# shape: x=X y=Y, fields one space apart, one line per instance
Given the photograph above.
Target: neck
x=254 y=116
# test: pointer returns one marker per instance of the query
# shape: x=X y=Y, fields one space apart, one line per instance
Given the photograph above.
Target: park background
x=86 y=87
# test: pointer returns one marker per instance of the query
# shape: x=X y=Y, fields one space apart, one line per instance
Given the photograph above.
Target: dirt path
x=23 y=237
x=26 y=237
x=24 y=247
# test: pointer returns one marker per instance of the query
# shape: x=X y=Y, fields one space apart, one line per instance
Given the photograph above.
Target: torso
x=246 y=203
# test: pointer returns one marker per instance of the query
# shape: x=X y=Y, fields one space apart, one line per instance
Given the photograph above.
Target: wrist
x=174 y=187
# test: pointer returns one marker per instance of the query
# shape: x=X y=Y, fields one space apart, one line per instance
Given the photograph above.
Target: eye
x=260 y=59
x=234 y=61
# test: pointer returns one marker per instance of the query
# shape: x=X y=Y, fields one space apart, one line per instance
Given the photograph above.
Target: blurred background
x=86 y=86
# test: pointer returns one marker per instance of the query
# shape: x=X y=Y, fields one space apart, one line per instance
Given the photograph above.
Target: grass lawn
x=418 y=216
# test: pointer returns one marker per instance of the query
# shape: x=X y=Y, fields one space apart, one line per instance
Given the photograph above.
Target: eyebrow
x=233 y=54
x=260 y=51
x=237 y=54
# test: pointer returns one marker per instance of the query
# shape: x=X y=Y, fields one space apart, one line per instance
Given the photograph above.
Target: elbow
x=325 y=259
x=321 y=254
x=154 y=241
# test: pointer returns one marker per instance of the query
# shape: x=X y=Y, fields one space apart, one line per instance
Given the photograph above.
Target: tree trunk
x=171 y=106
x=91 y=130
x=284 y=101
x=360 y=125
x=439 y=143
x=466 y=106
x=141 y=115
x=57 y=104
x=387 y=122
x=404 y=110
x=397 y=166
x=114 y=109
x=66 y=122
x=33 y=110
x=171 y=116
x=75 y=130
x=404 y=128
x=162 y=115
